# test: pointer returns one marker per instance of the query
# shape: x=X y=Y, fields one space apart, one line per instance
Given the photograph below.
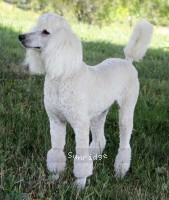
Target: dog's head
x=47 y=25
x=52 y=47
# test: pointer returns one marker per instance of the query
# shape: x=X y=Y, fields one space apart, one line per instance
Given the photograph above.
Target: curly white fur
x=139 y=41
x=82 y=95
x=66 y=44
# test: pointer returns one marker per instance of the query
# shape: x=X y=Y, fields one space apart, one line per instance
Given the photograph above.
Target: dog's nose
x=21 y=37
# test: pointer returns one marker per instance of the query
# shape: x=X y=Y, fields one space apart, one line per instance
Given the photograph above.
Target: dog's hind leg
x=126 y=114
x=98 y=139
x=56 y=160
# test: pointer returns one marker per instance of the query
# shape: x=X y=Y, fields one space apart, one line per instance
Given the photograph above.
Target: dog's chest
x=58 y=97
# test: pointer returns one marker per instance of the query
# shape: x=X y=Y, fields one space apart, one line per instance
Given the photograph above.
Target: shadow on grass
x=24 y=125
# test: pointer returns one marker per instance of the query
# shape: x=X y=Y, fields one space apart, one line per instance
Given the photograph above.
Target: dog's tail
x=139 y=41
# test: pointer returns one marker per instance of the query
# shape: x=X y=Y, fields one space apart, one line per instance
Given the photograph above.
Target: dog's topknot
x=53 y=21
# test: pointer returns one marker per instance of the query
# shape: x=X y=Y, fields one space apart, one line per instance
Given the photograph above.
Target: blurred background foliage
x=102 y=11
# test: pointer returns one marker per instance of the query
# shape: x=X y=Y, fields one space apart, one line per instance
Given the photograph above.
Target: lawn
x=24 y=126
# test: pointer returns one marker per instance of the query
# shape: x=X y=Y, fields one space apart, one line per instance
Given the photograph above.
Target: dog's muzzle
x=23 y=40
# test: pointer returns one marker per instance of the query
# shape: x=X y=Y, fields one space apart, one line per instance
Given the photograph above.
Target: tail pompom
x=139 y=41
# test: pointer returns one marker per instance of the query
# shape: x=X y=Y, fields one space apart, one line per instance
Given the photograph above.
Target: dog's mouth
x=29 y=47
x=34 y=47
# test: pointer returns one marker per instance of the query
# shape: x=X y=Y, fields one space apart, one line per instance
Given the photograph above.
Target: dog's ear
x=63 y=53
x=34 y=61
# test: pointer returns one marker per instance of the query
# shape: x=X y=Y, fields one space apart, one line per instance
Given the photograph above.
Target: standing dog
x=82 y=95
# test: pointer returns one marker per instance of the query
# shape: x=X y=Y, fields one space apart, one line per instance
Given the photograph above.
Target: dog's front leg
x=56 y=160
x=83 y=164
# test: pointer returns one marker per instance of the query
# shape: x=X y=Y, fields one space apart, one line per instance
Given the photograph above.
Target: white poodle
x=82 y=95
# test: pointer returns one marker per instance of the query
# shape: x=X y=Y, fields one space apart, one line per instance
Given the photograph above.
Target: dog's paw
x=121 y=169
x=80 y=183
x=83 y=168
x=122 y=162
x=55 y=176
x=56 y=161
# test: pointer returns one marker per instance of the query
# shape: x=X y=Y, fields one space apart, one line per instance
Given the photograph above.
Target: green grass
x=24 y=126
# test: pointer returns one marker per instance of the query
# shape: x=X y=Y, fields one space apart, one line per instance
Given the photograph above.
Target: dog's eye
x=45 y=32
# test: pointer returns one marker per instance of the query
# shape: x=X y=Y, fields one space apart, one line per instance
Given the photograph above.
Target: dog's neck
x=66 y=74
